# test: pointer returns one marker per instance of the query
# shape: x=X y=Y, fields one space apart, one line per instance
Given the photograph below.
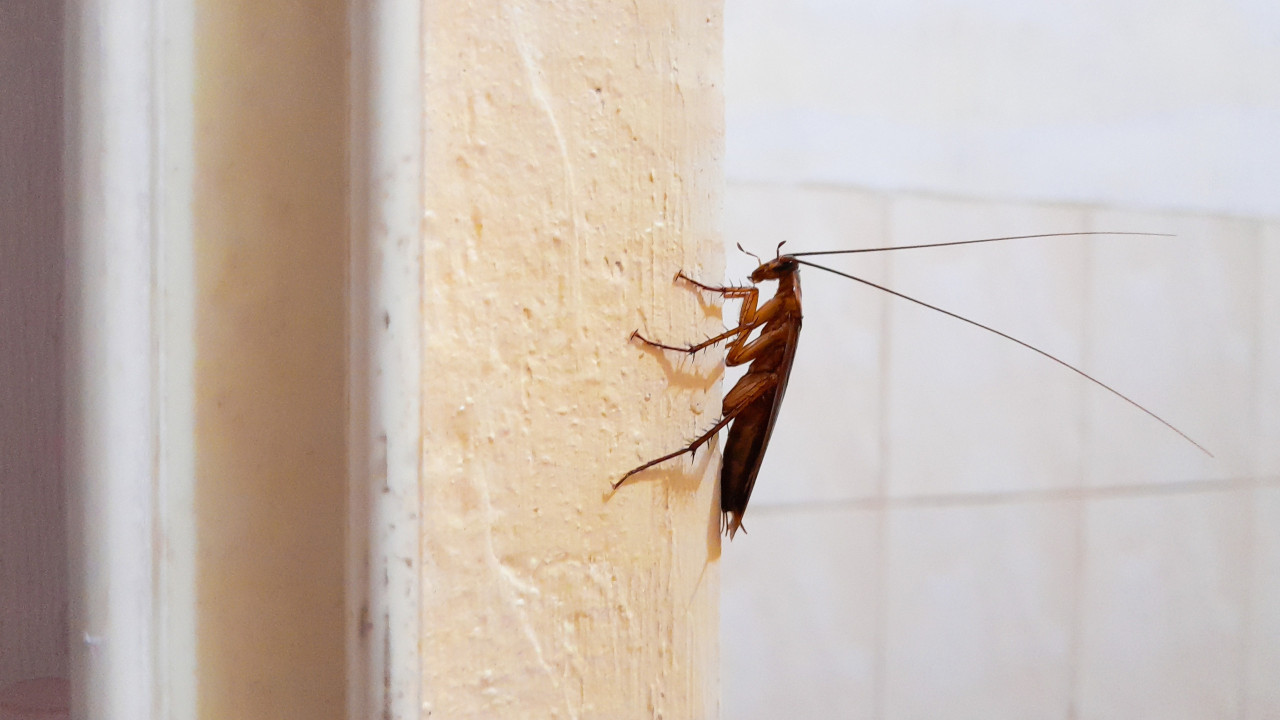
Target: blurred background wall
x=33 y=546
x=947 y=525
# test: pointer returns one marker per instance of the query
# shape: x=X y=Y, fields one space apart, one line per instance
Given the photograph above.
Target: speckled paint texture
x=573 y=165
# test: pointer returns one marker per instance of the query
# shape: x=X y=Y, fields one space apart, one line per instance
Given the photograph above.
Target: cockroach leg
x=728 y=291
x=694 y=348
x=692 y=448
x=745 y=392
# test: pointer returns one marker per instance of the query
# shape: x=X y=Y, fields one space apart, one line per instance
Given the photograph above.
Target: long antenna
x=971 y=242
x=1006 y=336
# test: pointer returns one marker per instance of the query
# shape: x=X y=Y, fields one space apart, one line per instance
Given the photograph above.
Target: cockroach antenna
x=748 y=252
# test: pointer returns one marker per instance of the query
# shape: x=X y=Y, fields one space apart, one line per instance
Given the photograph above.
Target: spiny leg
x=730 y=291
x=742 y=394
x=695 y=348
x=746 y=319
x=692 y=448
x=747 y=323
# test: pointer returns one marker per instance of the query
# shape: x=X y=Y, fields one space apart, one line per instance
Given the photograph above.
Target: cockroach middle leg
x=747 y=320
x=690 y=350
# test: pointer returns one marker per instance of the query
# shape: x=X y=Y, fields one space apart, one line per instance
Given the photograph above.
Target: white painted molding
x=130 y=358
x=384 y=569
x=110 y=388
x=174 y=312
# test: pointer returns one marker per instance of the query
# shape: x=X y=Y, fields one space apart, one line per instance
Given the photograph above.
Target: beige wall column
x=270 y=255
x=572 y=166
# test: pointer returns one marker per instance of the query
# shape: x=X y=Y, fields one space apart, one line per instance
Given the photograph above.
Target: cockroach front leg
x=734 y=291
x=746 y=318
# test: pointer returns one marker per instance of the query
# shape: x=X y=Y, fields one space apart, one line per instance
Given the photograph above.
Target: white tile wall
x=1100 y=101
x=969 y=411
x=979 y=611
x=1262 y=627
x=806 y=646
x=1024 y=544
x=1267 y=398
x=1015 y=543
x=1173 y=324
x=1163 y=611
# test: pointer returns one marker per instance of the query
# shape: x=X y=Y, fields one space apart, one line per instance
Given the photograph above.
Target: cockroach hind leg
x=626 y=477
x=635 y=335
x=690 y=448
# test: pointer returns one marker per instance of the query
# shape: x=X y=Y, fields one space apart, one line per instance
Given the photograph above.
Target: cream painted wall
x=572 y=162
x=948 y=525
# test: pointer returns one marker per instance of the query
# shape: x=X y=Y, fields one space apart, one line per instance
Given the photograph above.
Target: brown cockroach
x=752 y=403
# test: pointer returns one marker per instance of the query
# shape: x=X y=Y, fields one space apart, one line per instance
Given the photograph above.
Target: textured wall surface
x=947 y=525
x=572 y=167
x=33 y=546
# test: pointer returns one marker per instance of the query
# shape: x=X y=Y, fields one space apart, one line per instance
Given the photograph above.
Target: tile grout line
x=1250 y=538
x=1080 y=529
x=1013 y=497
x=1075 y=638
x=1246 y=598
x=881 y=637
x=957 y=196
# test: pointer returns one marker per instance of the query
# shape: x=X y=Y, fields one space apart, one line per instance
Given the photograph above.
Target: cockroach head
x=775 y=268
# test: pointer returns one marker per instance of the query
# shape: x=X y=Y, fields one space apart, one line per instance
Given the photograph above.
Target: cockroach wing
x=749 y=437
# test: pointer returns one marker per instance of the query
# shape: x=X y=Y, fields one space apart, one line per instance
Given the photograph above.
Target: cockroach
x=751 y=405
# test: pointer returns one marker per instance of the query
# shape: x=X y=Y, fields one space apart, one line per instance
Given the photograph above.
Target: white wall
x=948 y=525
x=1170 y=104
